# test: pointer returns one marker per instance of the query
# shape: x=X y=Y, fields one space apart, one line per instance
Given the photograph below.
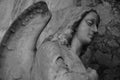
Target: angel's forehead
x=91 y=15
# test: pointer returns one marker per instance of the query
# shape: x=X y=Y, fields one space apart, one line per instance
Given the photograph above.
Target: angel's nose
x=95 y=28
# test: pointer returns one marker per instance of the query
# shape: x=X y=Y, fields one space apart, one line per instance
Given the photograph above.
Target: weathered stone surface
x=104 y=52
x=53 y=25
x=9 y=10
x=55 y=5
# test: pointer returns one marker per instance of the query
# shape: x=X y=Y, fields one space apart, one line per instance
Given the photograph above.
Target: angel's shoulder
x=50 y=48
x=50 y=45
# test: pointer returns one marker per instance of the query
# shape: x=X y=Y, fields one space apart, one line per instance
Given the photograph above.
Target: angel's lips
x=90 y=35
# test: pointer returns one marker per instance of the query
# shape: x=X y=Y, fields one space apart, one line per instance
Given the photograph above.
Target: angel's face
x=87 y=27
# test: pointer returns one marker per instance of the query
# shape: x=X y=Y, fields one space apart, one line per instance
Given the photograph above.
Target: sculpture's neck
x=76 y=46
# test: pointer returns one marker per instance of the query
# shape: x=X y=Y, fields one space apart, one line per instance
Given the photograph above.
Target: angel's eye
x=90 y=22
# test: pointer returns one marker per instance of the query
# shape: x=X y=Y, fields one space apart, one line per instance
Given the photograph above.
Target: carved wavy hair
x=65 y=36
